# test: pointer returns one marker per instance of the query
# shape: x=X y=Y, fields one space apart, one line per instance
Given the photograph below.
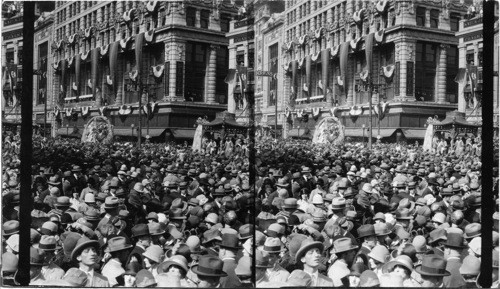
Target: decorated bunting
x=356 y=110
x=369 y=58
x=323 y=82
x=124 y=42
x=133 y=75
x=158 y=70
x=379 y=36
x=88 y=32
x=388 y=71
x=364 y=76
x=334 y=110
x=72 y=38
x=104 y=50
x=94 y=69
x=85 y=55
x=316 y=112
x=102 y=110
x=68 y=111
x=74 y=87
x=128 y=15
x=342 y=78
x=70 y=61
x=89 y=83
x=125 y=109
x=301 y=62
x=358 y=16
x=355 y=43
x=302 y=39
x=315 y=56
x=151 y=6
x=334 y=51
x=85 y=111
x=381 y=6
x=148 y=36
x=113 y=55
x=109 y=81
x=318 y=32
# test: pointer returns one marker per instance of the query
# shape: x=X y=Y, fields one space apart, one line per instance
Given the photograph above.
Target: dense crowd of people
x=119 y=216
x=317 y=215
x=394 y=216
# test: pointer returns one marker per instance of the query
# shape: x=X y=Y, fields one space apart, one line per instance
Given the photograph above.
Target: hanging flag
x=139 y=43
x=369 y=55
x=113 y=55
x=231 y=76
x=242 y=77
x=77 y=71
x=461 y=77
x=344 y=53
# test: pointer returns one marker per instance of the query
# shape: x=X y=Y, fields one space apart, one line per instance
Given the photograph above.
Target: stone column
x=462 y=50
x=441 y=75
x=211 y=75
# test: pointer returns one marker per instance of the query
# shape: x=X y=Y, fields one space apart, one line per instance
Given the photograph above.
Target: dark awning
x=358 y=132
x=414 y=133
x=186 y=133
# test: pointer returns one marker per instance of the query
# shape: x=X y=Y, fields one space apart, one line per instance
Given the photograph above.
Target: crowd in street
x=395 y=216
x=119 y=216
x=317 y=215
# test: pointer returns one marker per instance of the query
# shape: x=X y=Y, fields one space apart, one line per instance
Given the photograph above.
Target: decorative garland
x=68 y=111
x=71 y=38
x=85 y=55
x=128 y=15
x=301 y=62
x=302 y=39
x=102 y=110
x=85 y=111
x=88 y=32
x=151 y=6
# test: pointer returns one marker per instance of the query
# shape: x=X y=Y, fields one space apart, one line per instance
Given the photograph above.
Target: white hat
x=13 y=242
x=475 y=245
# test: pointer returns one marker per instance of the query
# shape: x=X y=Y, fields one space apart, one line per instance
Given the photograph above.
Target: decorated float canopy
x=226 y=124
x=456 y=124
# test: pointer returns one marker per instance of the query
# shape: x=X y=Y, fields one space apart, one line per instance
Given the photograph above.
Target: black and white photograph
x=250 y=143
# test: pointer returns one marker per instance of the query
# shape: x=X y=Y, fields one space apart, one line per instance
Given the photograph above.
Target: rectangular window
x=221 y=73
x=420 y=16
x=179 y=78
x=9 y=56
x=166 y=75
x=396 y=78
x=273 y=67
x=434 y=18
x=454 y=20
x=409 y=78
x=425 y=71
x=480 y=57
x=469 y=57
x=204 y=18
x=224 y=22
x=191 y=16
x=451 y=73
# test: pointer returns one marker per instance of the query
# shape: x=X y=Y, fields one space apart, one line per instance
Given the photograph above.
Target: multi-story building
x=414 y=55
x=12 y=59
x=170 y=57
x=43 y=105
x=241 y=37
x=470 y=36
x=269 y=100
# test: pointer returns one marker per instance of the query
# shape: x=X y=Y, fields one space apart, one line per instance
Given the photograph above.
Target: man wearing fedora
x=345 y=251
x=118 y=248
x=274 y=248
x=209 y=271
x=142 y=237
x=48 y=246
x=86 y=254
x=228 y=249
x=432 y=271
x=111 y=208
x=309 y=255
x=452 y=253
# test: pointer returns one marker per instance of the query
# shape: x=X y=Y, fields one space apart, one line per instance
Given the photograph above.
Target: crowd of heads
x=393 y=216
x=317 y=215
x=119 y=215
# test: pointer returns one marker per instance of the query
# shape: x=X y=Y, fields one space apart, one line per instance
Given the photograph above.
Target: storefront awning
x=414 y=133
x=358 y=132
x=183 y=133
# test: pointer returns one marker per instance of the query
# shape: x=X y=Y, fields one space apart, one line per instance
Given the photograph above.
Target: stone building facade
x=470 y=37
x=109 y=56
x=414 y=55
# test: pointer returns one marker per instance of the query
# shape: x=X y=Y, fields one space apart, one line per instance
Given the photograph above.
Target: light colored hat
x=317 y=199
x=368 y=279
x=367 y=187
x=379 y=253
x=439 y=218
x=154 y=253
x=475 y=245
x=13 y=242
x=471 y=265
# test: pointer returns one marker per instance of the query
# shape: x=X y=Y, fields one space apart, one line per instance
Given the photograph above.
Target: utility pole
x=370 y=84
x=26 y=150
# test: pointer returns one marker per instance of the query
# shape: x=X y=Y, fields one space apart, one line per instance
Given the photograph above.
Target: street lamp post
x=132 y=128
x=67 y=129
x=363 y=126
